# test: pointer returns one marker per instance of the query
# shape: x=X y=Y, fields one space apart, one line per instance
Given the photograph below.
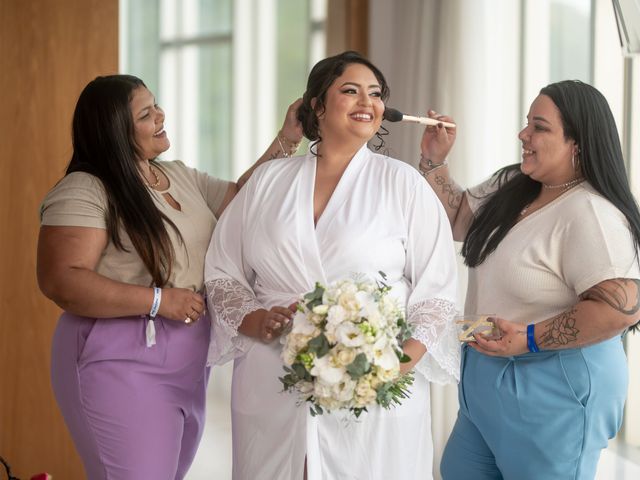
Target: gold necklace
x=156 y=176
x=566 y=185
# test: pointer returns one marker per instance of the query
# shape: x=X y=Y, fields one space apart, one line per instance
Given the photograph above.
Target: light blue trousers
x=537 y=416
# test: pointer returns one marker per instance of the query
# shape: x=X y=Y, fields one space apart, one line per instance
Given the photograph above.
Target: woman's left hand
x=513 y=340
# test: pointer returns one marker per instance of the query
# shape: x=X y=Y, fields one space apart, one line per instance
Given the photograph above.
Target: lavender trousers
x=134 y=412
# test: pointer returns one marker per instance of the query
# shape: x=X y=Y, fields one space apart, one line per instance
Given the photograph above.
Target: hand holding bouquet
x=344 y=348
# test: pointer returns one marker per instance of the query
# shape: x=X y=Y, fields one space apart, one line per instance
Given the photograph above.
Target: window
x=224 y=71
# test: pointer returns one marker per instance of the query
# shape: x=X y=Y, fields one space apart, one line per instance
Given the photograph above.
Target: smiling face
x=353 y=107
x=546 y=153
x=148 y=121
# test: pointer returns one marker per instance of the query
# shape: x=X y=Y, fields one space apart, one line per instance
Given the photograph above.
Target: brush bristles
x=392 y=115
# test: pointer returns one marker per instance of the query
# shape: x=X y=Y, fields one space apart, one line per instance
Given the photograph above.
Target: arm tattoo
x=561 y=331
x=451 y=190
x=621 y=294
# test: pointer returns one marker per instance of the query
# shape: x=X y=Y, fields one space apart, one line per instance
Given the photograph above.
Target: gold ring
x=188 y=320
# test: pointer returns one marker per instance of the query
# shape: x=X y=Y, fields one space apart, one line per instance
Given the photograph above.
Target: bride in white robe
x=325 y=218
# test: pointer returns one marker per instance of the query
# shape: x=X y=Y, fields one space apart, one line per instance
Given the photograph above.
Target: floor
x=213 y=461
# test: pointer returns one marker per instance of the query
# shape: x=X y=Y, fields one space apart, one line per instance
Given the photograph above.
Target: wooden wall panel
x=348 y=26
x=49 y=49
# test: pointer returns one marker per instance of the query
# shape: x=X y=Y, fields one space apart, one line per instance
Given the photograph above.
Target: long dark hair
x=104 y=146
x=586 y=119
x=322 y=76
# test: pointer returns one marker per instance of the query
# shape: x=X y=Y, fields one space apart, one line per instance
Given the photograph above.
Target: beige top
x=552 y=256
x=79 y=200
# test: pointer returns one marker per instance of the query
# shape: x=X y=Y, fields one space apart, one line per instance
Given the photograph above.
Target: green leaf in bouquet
x=314 y=298
x=289 y=380
x=319 y=345
x=359 y=366
x=301 y=372
x=403 y=357
x=315 y=409
x=383 y=288
x=357 y=411
x=405 y=332
x=394 y=392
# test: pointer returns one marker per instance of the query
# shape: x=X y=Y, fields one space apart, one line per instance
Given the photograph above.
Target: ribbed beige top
x=551 y=256
x=79 y=199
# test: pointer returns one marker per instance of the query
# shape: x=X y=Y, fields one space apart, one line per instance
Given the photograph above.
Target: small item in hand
x=478 y=323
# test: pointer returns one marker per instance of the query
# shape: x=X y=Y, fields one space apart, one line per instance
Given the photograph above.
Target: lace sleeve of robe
x=229 y=302
x=432 y=269
x=434 y=326
x=228 y=281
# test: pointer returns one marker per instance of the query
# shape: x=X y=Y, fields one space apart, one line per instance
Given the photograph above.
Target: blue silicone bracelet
x=531 y=339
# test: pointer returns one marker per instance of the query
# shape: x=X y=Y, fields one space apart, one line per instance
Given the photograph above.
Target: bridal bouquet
x=343 y=350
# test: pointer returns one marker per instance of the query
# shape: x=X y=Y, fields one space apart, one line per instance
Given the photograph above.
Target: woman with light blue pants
x=519 y=406
x=552 y=246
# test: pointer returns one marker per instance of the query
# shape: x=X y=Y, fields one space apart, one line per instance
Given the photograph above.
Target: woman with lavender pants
x=121 y=250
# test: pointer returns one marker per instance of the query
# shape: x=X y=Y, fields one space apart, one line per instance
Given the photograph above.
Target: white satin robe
x=266 y=251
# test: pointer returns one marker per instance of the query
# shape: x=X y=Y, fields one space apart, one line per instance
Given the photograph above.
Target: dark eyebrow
x=542 y=119
x=375 y=85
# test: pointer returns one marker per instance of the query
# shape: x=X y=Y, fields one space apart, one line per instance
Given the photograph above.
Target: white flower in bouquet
x=350 y=335
x=326 y=370
x=344 y=349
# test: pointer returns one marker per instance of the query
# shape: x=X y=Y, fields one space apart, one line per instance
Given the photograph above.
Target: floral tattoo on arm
x=561 y=331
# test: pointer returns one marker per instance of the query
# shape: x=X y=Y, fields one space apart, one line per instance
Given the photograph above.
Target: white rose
x=344 y=356
x=321 y=309
x=387 y=375
x=349 y=287
x=343 y=390
x=329 y=403
x=321 y=389
x=365 y=394
x=336 y=315
x=348 y=301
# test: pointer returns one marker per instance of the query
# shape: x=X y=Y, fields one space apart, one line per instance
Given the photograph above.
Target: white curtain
x=459 y=57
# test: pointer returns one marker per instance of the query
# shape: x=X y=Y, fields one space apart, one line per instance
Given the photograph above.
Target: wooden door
x=49 y=49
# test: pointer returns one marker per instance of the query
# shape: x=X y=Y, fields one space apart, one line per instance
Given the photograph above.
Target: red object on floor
x=42 y=476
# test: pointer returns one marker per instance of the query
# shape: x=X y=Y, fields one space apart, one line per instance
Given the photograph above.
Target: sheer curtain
x=460 y=58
